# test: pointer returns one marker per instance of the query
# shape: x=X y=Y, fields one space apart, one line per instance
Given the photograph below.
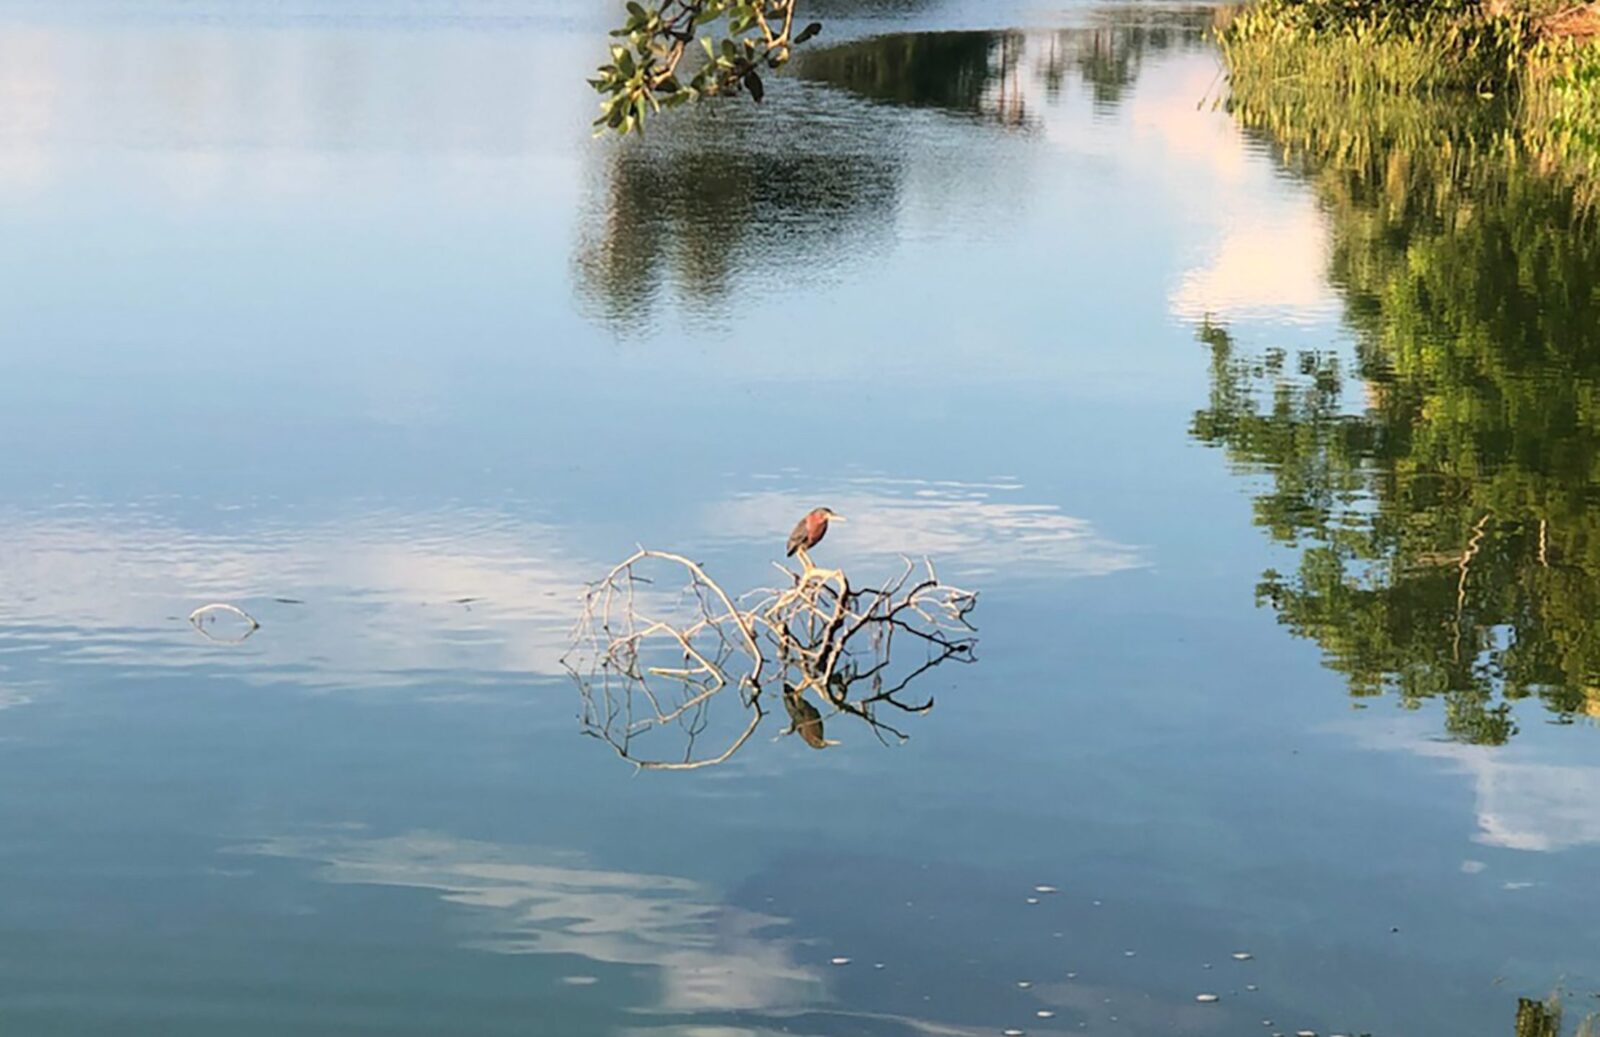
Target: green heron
x=809 y=531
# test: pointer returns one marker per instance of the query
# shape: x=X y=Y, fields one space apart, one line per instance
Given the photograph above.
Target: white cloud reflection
x=1519 y=804
x=382 y=597
x=709 y=956
x=1531 y=806
x=906 y=1024
x=1267 y=265
x=375 y=596
x=1264 y=253
x=967 y=527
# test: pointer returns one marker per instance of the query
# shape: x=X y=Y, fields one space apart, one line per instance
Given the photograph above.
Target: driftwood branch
x=646 y=662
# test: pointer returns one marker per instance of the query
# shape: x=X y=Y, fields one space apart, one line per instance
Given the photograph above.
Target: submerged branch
x=200 y=616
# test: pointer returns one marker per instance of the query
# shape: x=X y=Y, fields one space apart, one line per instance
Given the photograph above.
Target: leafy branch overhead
x=736 y=41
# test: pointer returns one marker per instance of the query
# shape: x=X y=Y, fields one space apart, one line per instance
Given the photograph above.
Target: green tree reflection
x=1448 y=526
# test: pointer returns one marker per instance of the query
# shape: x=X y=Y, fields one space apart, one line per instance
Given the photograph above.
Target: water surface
x=338 y=314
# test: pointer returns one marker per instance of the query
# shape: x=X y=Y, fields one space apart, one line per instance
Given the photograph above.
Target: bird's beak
x=837 y=518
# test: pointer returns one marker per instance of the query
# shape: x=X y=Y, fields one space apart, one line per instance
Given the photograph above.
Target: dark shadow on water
x=951 y=71
x=730 y=197
x=691 y=215
x=992 y=74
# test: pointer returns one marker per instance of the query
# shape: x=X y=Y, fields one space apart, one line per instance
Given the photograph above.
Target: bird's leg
x=806 y=561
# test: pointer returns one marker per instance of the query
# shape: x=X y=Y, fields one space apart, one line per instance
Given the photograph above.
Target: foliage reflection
x=1448 y=526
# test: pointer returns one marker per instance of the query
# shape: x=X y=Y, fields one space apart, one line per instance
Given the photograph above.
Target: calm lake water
x=1273 y=464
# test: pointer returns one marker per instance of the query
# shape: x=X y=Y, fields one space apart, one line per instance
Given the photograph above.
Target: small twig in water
x=198 y=618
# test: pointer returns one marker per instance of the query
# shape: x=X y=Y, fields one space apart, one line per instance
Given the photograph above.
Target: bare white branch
x=641 y=671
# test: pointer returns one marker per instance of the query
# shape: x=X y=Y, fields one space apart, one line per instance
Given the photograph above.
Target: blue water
x=345 y=306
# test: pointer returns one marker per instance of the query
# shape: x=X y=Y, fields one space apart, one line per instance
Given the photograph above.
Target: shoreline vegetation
x=1522 y=76
x=1445 y=526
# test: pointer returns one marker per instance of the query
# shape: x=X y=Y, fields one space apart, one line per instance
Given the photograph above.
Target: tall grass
x=1371 y=46
x=1561 y=103
x=1359 y=68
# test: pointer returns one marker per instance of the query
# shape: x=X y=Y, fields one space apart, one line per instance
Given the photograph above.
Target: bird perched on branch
x=808 y=533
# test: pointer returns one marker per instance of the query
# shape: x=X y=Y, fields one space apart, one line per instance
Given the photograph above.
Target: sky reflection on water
x=709 y=956
x=345 y=307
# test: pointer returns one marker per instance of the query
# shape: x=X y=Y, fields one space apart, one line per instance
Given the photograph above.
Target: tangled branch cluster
x=646 y=663
x=642 y=76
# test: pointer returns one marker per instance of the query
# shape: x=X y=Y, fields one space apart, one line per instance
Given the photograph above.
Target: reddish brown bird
x=809 y=531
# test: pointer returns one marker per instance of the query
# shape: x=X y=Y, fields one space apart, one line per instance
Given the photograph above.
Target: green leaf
x=752 y=82
x=808 y=32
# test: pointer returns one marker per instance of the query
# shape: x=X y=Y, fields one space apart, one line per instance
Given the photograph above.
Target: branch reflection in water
x=651 y=667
